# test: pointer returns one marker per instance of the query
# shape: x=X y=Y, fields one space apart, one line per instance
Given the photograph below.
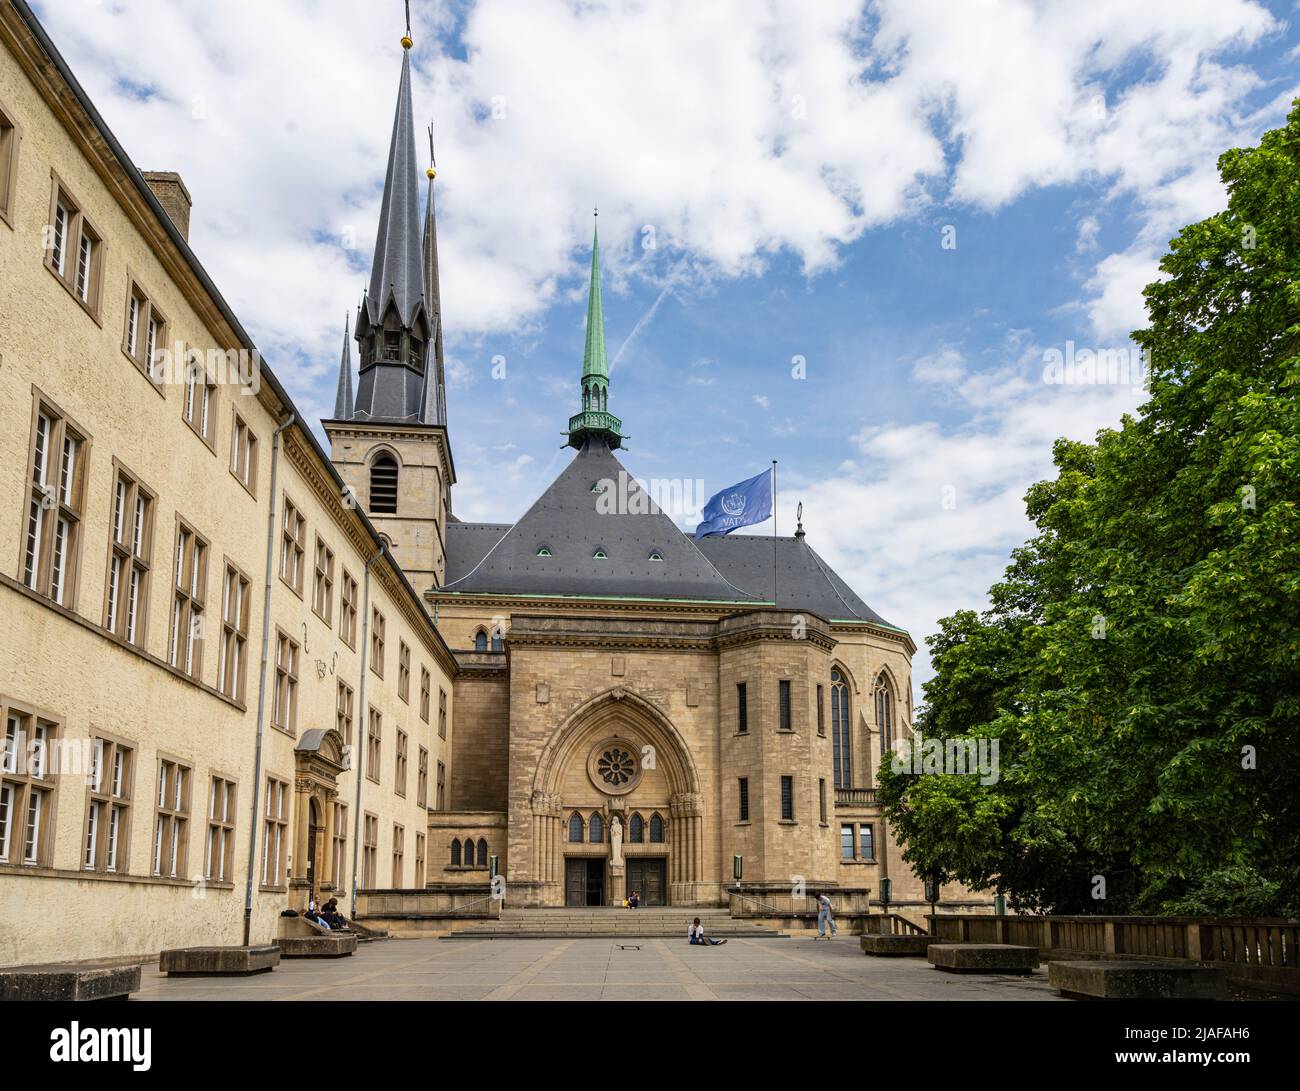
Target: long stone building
x=238 y=671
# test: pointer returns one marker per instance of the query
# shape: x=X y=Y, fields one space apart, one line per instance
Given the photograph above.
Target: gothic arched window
x=482 y=853
x=841 y=750
x=885 y=714
x=575 y=828
x=383 y=485
x=498 y=644
x=597 y=829
x=636 y=829
x=656 y=830
x=480 y=641
x=455 y=852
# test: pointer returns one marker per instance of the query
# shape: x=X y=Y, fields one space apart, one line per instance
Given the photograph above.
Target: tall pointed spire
x=595 y=422
x=343 y=405
x=394 y=326
x=435 y=389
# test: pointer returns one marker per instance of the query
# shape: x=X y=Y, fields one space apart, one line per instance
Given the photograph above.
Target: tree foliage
x=1163 y=755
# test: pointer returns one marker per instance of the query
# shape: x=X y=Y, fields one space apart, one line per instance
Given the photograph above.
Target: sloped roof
x=568 y=521
x=501 y=558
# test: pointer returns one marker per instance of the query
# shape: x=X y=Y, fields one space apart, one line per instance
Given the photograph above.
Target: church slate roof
x=501 y=558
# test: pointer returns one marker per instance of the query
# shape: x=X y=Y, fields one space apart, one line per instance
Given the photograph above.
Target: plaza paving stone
x=596 y=969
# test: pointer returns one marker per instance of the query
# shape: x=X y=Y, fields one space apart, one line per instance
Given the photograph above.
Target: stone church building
x=634 y=710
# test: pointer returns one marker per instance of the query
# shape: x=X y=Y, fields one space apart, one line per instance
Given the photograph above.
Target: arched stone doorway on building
x=616 y=807
x=318 y=760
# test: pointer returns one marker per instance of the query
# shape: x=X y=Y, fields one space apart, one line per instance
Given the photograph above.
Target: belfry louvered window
x=383 y=486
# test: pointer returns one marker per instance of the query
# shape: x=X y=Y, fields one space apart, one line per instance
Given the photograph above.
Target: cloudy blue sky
x=777 y=183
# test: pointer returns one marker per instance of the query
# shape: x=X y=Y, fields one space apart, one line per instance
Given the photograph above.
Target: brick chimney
x=173 y=196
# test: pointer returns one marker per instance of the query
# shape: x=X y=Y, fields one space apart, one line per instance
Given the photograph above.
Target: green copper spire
x=595 y=421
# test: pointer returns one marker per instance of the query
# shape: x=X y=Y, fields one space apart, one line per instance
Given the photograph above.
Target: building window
x=440 y=798
x=172 y=821
x=377 y=642
x=404 y=671
x=846 y=842
x=322 y=588
x=655 y=555
x=821 y=800
x=232 y=668
x=841 y=750
x=74 y=250
x=369 y=851
x=422 y=780
x=866 y=842
x=399 y=851
x=10 y=136
x=821 y=710
x=480 y=641
x=455 y=852
x=742 y=708
x=419 y=859
x=636 y=829
x=190 y=595
x=52 y=539
x=498 y=639
x=340 y=846
x=243 y=454
x=442 y=713
x=348 y=611
x=784 y=722
x=275 y=826
x=399 y=769
x=293 y=545
x=374 y=736
x=744 y=799
x=130 y=551
x=219 y=853
x=543 y=552
x=596 y=829
x=199 y=404
x=576 y=828
x=109 y=806
x=383 y=485
x=656 y=830
x=885 y=714
x=26 y=789
x=787 y=799
x=482 y=853
x=144 y=333
x=426 y=685
x=343 y=712
x=284 y=704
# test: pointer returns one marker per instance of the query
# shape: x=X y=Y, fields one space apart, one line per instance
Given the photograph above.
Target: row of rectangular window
x=784 y=712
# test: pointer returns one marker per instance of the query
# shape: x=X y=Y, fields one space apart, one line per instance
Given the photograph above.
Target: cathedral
x=635 y=710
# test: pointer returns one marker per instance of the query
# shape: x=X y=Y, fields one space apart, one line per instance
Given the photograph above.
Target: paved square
x=795 y=968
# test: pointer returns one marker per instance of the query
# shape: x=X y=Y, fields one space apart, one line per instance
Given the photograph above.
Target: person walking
x=825 y=915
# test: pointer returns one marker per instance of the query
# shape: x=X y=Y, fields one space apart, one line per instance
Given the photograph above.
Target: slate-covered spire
x=343 y=405
x=394 y=325
x=435 y=393
x=595 y=421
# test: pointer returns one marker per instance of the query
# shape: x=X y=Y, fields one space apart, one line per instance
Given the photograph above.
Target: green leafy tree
x=1139 y=664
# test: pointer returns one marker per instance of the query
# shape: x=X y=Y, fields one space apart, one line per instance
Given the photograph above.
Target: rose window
x=616 y=767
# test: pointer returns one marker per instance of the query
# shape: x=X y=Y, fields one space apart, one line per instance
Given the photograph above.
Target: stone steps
x=614 y=923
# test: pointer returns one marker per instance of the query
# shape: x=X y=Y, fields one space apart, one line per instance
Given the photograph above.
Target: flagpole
x=774 y=574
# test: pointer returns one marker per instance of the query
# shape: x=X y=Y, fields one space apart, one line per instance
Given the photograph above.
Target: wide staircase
x=610 y=923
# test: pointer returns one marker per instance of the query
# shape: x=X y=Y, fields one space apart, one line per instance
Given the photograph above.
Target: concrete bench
x=68 y=981
x=219 y=961
x=323 y=945
x=891 y=946
x=983 y=958
x=1120 y=980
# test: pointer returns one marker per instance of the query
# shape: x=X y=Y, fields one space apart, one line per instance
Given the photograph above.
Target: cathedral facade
x=241 y=669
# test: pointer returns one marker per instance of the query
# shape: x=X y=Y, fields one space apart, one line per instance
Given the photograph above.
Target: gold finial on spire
x=406 y=38
x=432 y=172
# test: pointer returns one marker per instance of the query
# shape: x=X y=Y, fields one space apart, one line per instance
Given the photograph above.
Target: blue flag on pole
x=738 y=506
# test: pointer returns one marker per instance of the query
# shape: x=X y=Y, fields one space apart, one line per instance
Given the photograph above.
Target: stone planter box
x=219 y=961
x=889 y=946
x=1123 y=980
x=983 y=958
x=339 y=945
x=68 y=981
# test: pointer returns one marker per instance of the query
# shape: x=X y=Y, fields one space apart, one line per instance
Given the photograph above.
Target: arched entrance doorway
x=616 y=808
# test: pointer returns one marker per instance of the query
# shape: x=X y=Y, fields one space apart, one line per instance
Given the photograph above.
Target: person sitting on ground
x=699 y=939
